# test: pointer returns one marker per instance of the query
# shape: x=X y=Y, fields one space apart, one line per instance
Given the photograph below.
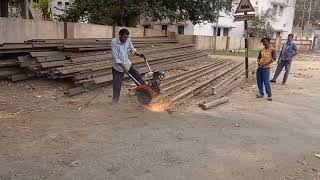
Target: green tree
x=302 y=11
x=261 y=26
x=127 y=12
x=43 y=6
x=15 y=9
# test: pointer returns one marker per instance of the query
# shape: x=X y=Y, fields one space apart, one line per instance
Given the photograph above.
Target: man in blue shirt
x=121 y=63
x=289 y=50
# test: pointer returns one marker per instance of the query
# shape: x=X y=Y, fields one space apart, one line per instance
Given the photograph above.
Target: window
x=164 y=27
x=281 y=11
x=219 y=32
x=180 y=29
x=274 y=9
x=67 y=3
x=59 y=3
x=226 y=32
x=278 y=34
x=284 y=25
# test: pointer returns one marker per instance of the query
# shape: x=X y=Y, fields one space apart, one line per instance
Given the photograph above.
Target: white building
x=58 y=7
x=284 y=10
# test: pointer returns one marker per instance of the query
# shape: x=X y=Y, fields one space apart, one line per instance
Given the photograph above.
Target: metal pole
x=134 y=79
x=4 y=8
x=26 y=8
x=148 y=65
x=302 y=25
x=309 y=12
x=216 y=34
x=246 y=47
x=217 y=25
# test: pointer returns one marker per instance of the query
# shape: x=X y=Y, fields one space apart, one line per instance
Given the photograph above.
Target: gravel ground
x=44 y=135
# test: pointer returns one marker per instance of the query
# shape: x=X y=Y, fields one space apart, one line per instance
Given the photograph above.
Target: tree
x=261 y=26
x=302 y=11
x=127 y=12
x=43 y=6
x=15 y=9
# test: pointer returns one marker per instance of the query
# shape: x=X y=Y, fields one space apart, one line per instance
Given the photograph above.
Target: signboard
x=245 y=6
x=244 y=17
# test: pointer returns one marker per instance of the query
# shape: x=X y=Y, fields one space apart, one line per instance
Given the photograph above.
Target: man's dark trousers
x=117 y=81
x=283 y=64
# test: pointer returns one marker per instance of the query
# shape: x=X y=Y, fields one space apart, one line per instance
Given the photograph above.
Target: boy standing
x=266 y=57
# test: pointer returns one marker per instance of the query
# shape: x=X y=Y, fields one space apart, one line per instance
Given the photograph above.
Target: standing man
x=288 y=51
x=121 y=63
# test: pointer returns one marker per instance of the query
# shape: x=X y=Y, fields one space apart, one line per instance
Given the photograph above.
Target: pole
x=4 y=9
x=217 y=25
x=309 y=12
x=302 y=24
x=26 y=9
x=216 y=34
x=246 y=47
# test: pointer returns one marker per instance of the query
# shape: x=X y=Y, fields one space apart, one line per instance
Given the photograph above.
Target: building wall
x=134 y=32
x=15 y=30
x=204 y=29
x=82 y=30
x=188 y=39
x=236 y=43
x=154 y=32
x=188 y=28
x=236 y=28
x=207 y=29
x=173 y=28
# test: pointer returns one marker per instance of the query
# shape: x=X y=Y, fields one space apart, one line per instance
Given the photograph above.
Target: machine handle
x=134 y=79
x=145 y=59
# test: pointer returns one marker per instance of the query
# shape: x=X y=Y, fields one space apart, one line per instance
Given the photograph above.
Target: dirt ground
x=46 y=135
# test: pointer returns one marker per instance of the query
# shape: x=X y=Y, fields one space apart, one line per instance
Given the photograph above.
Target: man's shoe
x=273 y=81
x=259 y=96
x=269 y=99
x=114 y=103
x=283 y=83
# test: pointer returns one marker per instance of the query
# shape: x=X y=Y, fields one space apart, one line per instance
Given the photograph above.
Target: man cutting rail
x=121 y=63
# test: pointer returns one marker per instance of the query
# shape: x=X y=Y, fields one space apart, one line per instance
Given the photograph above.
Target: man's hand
x=125 y=68
x=292 y=56
x=259 y=63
